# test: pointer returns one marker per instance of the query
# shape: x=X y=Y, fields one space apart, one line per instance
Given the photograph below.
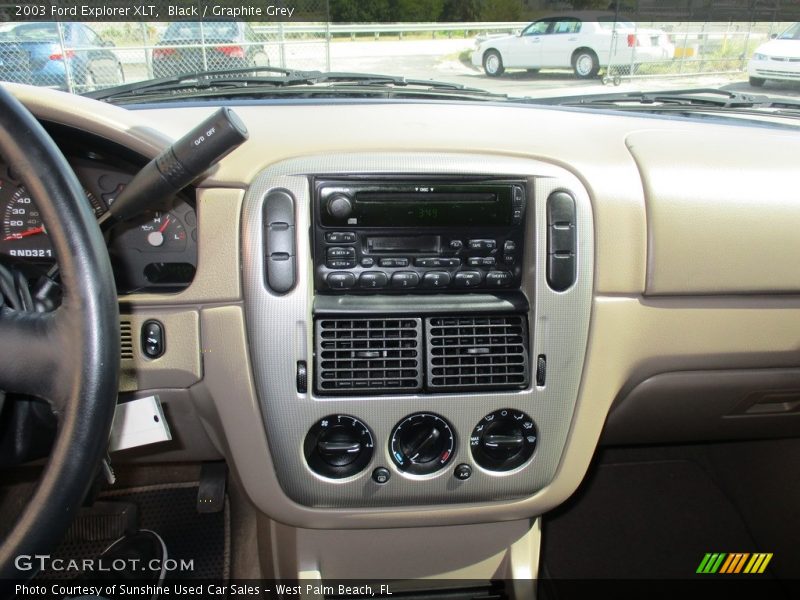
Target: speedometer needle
x=24 y=234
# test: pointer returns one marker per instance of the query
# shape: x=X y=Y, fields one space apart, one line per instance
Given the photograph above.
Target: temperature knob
x=503 y=440
x=340 y=206
x=422 y=443
x=338 y=446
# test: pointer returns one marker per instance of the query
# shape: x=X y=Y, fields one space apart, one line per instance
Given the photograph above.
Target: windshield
x=518 y=53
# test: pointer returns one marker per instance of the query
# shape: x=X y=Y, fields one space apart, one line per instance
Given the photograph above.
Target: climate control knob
x=503 y=440
x=338 y=446
x=422 y=443
x=340 y=206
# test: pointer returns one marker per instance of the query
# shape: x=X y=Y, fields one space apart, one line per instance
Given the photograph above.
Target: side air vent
x=125 y=340
x=471 y=353
x=369 y=355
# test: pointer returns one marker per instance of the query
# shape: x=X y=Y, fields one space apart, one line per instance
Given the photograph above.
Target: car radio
x=419 y=235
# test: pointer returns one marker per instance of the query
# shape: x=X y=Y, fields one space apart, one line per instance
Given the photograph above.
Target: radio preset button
x=436 y=279
x=467 y=279
x=341 y=281
x=498 y=278
x=340 y=237
x=373 y=279
x=394 y=262
x=405 y=279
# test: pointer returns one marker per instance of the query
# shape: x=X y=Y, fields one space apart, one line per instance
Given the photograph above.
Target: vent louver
x=369 y=355
x=481 y=352
x=125 y=340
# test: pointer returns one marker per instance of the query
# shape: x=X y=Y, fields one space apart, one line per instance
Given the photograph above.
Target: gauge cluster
x=154 y=252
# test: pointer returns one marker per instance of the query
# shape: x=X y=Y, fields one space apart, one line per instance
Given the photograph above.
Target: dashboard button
x=560 y=208
x=462 y=472
x=405 y=279
x=498 y=278
x=367 y=262
x=456 y=245
x=560 y=271
x=381 y=475
x=373 y=279
x=393 y=262
x=509 y=246
x=465 y=279
x=340 y=237
x=561 y=238
x=153 y=339
x=340 y=263
x=481 y=261
x=478 y=245
x=341 y=253
x=341 y=281
x=436 y=279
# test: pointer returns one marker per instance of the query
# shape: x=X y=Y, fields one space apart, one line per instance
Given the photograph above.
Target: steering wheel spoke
x=34 y=355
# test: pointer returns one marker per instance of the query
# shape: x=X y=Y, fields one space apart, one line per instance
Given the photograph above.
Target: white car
x=567 y=41
x=779 y=58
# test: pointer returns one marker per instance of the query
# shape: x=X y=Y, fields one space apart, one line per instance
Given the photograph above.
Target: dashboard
x=280 y=347
x=155 y=252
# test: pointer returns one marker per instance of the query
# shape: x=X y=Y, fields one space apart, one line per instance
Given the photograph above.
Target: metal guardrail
x=379 y=28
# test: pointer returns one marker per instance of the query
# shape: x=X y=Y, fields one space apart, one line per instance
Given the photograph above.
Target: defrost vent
x=369 y=355
x=477 y=352
x=375 y=355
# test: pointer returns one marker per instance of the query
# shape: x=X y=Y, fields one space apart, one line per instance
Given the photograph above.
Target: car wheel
x=585 y=64
x=757 y=81
x=493 y=63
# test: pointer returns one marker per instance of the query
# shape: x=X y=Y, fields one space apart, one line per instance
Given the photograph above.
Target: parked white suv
x=567 y=41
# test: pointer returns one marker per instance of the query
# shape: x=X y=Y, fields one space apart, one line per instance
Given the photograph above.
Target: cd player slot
x=422 y=243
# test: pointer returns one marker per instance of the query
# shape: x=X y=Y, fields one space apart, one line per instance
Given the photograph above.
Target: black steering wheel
x=69 y=357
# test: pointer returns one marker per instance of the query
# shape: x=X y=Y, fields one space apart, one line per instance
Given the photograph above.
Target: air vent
x=369 y=355
x=125 y=340
x=471 y=353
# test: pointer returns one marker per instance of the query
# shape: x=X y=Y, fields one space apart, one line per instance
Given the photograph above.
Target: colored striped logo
x=734 y=563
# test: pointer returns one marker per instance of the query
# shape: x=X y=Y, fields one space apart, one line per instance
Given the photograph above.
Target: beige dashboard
x=695 y=269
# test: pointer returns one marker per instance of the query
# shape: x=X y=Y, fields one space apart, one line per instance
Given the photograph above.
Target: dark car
x=75 y=58
x=192 y=46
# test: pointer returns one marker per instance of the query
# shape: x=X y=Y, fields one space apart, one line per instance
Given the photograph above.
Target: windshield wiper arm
x=694 y=97
x=247 y=79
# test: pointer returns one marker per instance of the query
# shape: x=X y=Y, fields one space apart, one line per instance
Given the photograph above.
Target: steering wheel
x=69 y=357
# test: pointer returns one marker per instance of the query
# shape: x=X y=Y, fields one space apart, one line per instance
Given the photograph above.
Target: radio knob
x=340 y=206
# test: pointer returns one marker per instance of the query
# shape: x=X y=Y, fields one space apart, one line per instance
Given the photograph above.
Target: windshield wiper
x=698 y=98
x=268 y=81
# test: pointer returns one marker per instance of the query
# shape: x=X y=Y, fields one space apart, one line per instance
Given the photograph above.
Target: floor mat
x=169 y=510
x=643 y=520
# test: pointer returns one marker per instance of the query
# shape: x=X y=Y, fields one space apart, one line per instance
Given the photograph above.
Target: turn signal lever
x=177 y=166
x=160 y=179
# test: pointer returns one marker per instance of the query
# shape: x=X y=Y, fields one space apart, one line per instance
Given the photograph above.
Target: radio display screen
x=426 y=206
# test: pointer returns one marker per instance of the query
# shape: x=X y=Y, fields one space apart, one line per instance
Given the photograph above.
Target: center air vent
x=369 y=355
x=477 y=352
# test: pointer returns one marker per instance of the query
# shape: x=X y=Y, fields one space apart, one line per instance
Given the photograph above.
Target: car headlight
x=759 y=56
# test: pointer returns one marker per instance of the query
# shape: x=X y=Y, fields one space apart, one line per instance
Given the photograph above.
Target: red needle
x=164 y=225
x=24 y=234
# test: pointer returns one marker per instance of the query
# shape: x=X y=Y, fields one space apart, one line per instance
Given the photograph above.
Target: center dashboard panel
x=417 y=325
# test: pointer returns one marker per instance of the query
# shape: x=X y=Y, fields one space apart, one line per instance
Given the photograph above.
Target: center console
x=417 y=325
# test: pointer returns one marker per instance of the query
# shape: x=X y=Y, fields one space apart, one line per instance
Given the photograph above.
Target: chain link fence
x=683 y=49
x=79 y=57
